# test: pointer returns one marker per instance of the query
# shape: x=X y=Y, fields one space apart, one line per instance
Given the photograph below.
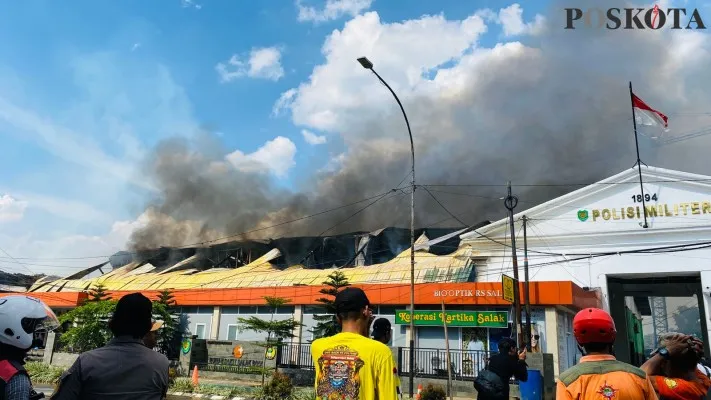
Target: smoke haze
x=553 y=108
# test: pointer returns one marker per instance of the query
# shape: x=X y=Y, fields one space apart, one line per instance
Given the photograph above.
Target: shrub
x=44 y=373
x=304 y=394
x=433 y=392
x=184 y=385
x=278 y=388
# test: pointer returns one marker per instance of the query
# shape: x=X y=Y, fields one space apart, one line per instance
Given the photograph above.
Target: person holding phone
x=492 y=383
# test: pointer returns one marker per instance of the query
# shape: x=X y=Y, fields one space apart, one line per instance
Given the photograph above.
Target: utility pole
x=526 y=289
x=511 y=202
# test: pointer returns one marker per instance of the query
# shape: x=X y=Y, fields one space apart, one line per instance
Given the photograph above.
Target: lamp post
x=369 y=66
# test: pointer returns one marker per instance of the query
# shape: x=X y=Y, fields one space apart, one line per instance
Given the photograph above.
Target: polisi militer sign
x=634 y=18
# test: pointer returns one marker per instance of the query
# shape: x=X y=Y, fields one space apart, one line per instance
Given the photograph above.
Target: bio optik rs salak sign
x=483 y=319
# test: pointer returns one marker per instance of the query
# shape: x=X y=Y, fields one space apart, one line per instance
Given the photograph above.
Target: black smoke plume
x=552 y=109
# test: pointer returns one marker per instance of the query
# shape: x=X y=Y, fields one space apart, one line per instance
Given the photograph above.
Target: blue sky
x=87 y=90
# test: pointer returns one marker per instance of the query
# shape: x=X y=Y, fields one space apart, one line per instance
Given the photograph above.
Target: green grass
x=185 y=385
x=44 y=373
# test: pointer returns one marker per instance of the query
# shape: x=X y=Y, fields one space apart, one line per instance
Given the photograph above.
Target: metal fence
x=465 y=364
x=295 y=355
x=429 y=363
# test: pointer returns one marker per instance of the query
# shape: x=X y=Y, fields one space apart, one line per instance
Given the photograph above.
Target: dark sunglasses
x=536 y=337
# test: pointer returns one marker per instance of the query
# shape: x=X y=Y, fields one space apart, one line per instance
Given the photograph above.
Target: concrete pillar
x=296 y=353
x=49 y=347
x=552 y=344
x=215 y=325
x=298 y=317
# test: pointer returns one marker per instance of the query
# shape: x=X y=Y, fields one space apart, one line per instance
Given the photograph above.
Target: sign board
x=471 y=319
x=507 y=283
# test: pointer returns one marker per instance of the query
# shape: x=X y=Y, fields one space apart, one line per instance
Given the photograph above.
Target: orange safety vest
x=602 y=377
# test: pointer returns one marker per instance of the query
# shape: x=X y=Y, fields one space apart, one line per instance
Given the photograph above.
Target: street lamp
x=369 y=65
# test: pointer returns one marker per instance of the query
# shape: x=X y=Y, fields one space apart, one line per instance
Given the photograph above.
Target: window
x=231 y=332
x=230 y=310
x=200 y=331
x=247 y=309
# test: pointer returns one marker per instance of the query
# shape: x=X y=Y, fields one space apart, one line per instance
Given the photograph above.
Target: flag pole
x=639 y=161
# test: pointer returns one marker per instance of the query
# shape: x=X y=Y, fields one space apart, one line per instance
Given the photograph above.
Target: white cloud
x=332 y=10
x=190 y=4
x=403 y=53
x=135 y=46
x=511 y=20
x=334 y=164
x=284 y=102
x=276 y=155
x=66 y=144
x=53 y=255
x=264 y=63
x=312 y=138
x=11 y=209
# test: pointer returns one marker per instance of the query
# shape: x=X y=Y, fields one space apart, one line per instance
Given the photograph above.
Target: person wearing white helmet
x=20 y=318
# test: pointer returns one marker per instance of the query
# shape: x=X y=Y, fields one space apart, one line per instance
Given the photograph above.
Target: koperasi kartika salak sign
x=482 y=319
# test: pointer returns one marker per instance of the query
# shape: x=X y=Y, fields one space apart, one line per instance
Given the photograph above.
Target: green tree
x=166 y=297
x=88 y=326
x=327 y=324
x=98 y=293
x=168 y=336
x=276 y=331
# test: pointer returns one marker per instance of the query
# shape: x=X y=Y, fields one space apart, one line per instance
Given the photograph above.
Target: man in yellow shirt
x=349 y=365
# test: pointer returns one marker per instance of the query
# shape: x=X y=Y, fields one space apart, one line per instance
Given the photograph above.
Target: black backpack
x=490 y=386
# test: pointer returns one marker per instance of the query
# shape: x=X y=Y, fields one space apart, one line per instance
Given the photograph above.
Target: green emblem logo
x=186 y=346
x=583 y=215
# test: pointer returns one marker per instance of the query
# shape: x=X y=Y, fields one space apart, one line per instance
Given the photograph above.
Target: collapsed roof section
x=379 y=256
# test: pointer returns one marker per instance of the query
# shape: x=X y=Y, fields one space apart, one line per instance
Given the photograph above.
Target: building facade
x=595 y=237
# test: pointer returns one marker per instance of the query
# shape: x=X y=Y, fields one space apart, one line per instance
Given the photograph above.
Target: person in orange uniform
x=673 y=368
x=599 y=375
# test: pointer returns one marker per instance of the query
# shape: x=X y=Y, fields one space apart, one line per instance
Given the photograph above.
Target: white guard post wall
x=605 y=217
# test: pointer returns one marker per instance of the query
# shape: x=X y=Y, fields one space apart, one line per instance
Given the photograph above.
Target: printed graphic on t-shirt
x=671 y=383
x=339 y=378
x=607 y=391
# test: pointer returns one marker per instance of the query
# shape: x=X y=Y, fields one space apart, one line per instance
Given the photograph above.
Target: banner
x=484 y=319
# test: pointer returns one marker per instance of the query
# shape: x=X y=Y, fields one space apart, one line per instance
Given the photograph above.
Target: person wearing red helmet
x=599 y=375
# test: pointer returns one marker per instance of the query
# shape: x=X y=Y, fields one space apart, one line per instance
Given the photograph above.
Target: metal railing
x=432 y=363
x=465 y=364
x=295 y=355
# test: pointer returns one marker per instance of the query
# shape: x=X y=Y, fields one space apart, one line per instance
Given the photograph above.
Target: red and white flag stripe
x=646 y=115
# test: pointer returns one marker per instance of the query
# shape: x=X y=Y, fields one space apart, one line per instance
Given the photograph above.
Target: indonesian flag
x=646 y=115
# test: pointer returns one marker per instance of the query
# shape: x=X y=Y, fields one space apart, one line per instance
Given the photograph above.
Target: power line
x=567 y=184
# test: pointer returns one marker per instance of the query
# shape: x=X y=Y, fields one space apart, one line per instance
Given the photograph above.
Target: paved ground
x=44 y=389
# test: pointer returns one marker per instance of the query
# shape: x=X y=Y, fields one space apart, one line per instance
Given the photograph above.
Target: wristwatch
x=664 y=353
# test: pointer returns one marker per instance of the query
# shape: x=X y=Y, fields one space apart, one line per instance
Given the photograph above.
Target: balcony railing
x=431 y=363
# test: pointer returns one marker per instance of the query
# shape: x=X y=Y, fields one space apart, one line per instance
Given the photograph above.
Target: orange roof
x=564 y=293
